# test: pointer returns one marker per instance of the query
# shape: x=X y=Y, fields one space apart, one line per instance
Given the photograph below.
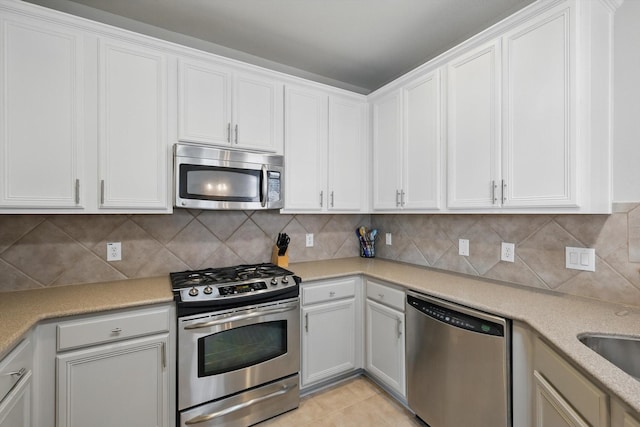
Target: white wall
x=626 y=127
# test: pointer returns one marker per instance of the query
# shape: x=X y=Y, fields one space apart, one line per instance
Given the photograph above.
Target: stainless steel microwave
x=207 y=177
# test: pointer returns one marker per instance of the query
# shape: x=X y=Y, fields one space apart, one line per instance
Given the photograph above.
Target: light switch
x=580 y=258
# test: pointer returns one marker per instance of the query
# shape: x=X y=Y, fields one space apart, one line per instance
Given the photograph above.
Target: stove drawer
x=112 y=327
x=333 y=290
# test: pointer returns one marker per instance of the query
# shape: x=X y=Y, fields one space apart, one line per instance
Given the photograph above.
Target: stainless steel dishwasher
x=457 y=363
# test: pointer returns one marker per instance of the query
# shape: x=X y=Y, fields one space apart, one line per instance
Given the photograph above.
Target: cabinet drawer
x=588 y=400
x=329 y=291
x=385 y=294
x=112 y=327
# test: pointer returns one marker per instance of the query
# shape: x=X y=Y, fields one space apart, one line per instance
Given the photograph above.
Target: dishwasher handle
x=457 y=316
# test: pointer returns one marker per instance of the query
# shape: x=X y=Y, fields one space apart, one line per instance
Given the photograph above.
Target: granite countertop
x=21 y=310
x=558 y=318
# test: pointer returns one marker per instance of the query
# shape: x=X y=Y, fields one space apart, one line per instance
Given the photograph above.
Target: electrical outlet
x=309 y=240
x=387 y=239
x=508 y=252
x=463 y=247
x=114 y=251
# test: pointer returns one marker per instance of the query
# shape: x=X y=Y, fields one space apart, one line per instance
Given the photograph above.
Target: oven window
x=239 y=348
x=221 y=184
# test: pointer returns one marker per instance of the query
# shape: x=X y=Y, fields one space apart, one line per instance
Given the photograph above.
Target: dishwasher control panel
x=455 y=318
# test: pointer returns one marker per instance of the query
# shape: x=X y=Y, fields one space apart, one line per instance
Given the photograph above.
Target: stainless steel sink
x=624 y=352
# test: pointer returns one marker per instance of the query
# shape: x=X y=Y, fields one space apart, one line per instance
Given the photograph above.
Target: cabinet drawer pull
x=18 y=373
x=321 y=197
x=401 y=197
x=493 y=192
x=236 y=133
x=102 y=191
x=116 y=330
x=399 y=322
x=77 y=191
x=332 y=294
x=381 y=296
x=229 y=132
x=397 y=198
x=306 y=322
x=504 y=193
x=332 y=199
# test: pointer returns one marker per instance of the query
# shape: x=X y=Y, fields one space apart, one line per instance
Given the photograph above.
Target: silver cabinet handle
x=77 y=191
x=381 y=296
x=164 y=355
x=397 y=198
x=332 y=294
x=19 y=373
x=236 y=133
x=239 y=317
x=399 y=323
x=229 y=132
x=208 y=417
x=332 y=199
x=306 y=322
x=493 y=192
x=102 y=192
x=321 y=197
x=401 y=197
x=504 y=192
x=116 y=330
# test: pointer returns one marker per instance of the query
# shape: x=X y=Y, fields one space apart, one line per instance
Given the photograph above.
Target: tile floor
x=355 y=402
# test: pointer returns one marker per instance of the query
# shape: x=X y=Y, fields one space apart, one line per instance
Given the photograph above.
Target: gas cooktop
x=242 y=281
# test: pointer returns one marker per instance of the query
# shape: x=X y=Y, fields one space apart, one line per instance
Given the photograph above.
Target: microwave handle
x=263 y=185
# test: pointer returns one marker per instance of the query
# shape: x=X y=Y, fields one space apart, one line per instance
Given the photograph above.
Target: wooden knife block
x=280 y=261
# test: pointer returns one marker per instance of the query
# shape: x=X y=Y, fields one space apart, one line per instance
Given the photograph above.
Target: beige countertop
x=21 y=310
x=559 y=318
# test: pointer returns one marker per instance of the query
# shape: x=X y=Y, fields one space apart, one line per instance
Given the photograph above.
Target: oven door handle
x=264 y=185
x=208 y=417
x=239 y=317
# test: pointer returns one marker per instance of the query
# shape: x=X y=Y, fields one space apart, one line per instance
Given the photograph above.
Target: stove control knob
x=208 y=290
x=285 y=280
x=193 y=291
x=274 y=281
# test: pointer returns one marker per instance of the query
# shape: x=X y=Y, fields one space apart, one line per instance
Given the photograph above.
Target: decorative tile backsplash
x=50 y=250
x=432 y=240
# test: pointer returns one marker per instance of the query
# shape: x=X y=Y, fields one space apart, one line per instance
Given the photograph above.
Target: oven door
x=233 y=350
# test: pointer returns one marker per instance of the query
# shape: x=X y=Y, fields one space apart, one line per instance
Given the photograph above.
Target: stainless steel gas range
x=238 y=344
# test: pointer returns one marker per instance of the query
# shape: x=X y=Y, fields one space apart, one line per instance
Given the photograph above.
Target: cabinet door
x=41 y=117
x=550 y=407
x=132 y=126
x=204 y=103
x=305 y=149
x=328 y=340
x=473 y=128
x=387 y=153
x=385 y=345
x=121 y=384
x=15 y=408
x=347 y=155
x=257 y=113
x=421 y=180
x=539 y=154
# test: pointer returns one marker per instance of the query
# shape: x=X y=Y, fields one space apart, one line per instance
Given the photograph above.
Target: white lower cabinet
x=331 y=329
x=385 y=336
x=116 y=369
x=16 y=386
x=563 y=396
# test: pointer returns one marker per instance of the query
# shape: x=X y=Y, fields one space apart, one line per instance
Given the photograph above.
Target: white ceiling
x=356 y=44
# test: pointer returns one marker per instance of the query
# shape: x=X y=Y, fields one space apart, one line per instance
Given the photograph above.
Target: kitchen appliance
x=206 y=177
x=238 y=344
x=457 y=363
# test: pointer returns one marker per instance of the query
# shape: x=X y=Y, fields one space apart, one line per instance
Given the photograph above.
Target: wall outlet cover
x=463 y=247
x=309 y=240
x=387 y=239
x=114 y=251
x=508 y=252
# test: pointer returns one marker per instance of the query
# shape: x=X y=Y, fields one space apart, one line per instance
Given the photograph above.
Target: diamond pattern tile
x=37 y=250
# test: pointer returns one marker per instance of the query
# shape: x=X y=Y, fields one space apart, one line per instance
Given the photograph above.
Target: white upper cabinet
x=348 y=155
x=41 y=116
x=325 y=151
x=473 y=129
x=406 y=146
x=204 y=103
x=539 y=137
x=133 y=165
x=223 y=106
x=387 y=154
